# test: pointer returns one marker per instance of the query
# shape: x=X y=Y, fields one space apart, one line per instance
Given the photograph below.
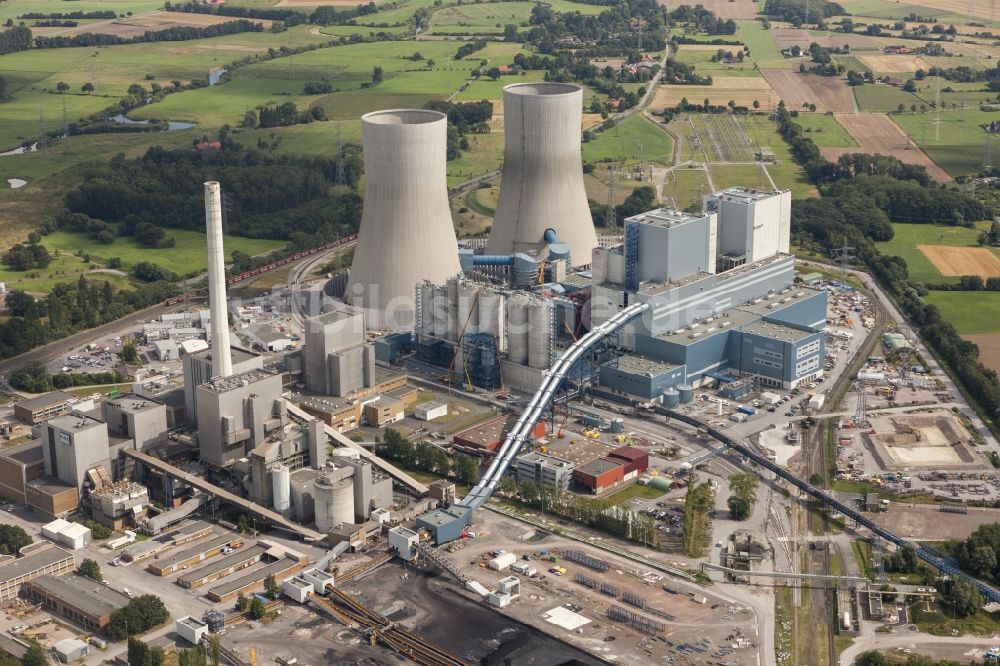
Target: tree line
x=35 y=378
x=173 y=34
x=15 y=38
x=463 y=468
x=798 y=12
x=101 y=14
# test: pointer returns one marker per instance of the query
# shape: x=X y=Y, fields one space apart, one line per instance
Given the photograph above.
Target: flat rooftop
x=50 y=485
x=746 y=194
x=775 y=302
x=15 y=567
x=777 y=331
x=191 y=622
x=24 y=454
x=135 y=404
x=74 y=423
x=237 y=556
x=87 y=595
x=642 y=365
x=342 y=313
x=323 y=403
x=255 y=576
x=578 y=449
x=224 y=384
x=486 y=432
x=238 y=354
x=439 y=517
x=599 y=466
x=538 y=457
x=665 y=217
x=179 y=555
x=47 y=400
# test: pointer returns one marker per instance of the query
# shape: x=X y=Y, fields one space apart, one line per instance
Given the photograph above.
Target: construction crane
x=446 y=378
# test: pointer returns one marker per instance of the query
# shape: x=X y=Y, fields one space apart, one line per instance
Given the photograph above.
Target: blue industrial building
x=710 y=315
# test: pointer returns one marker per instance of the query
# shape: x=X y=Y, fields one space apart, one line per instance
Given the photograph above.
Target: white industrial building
x=429 y=411
x=297 y=588
x=72 y=535
x=191 y=629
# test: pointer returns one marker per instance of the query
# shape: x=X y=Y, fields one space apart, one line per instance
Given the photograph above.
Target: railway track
x=356 y=616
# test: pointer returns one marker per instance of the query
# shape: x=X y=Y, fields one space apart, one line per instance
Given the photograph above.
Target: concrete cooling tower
x=407 y=234
x=542 y=180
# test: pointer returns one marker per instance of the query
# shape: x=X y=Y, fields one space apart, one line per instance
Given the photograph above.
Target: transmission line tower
x=844 y=256
x=861 y=413
x=640 y=169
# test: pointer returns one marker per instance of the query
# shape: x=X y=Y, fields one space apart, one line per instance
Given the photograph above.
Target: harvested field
x=989 y=348
x=981 y=9
x=952 y=260
x=734 y=9
x=159 y=20
x=787 y=37
x=878 y=134
x=317 y=3
x=828 y=93
x=741 y=89
x=893 y=63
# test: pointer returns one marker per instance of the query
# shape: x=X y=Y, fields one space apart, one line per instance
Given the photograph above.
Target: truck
x=738 y=418
x=743 y=409
x=845 y=620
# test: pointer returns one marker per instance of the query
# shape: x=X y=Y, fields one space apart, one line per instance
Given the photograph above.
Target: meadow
x=701 y=59
x=762 y=47
x=686 y=186
x=961 y=148
x=63 y=268
x=883 y=99
x=619 y=143
x=908 y=236
x=971 y=312
x=824 y=130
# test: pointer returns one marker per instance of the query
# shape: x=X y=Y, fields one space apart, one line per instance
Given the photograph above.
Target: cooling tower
x=406 y=230
x=222 y=360
x=542 y=180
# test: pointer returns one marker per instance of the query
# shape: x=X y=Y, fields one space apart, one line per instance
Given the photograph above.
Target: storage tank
x=618 y=426
x=281 y=488
x=517 y=330
x=541 y=186
x=425 y=295
x=671 y=397
x=660 y=483
x=468 y=308
x=540 y=322
x=407 y=234
x=439 y=316
x=334 y=500
x=490 y=312
x=452 y=324
x=686 y=392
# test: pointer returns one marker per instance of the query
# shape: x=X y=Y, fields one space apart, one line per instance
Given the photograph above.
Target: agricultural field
x=878 y=98
x=828 y=93
x=14 y=9
x=742 y=175
x=962 y=146
x=734 y=9
x=701 y=58
x=989 y=348
x=824 y=130
x=685 y=186
x=971 y=312
x=763 y=49
x=894 y=64
x=743 y=90
x=957 y=261
x=956 y=11
x=907 y=238
x=485 y=19
x=878 y=134
x=619 y=143
x=64 y=268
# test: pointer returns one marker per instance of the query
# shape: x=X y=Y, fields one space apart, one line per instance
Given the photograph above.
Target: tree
x=62 y=87
x=13 y=538
x=377 y=74
x=140 y=615
x=257 y=609
x=88 y=88
x=962 y=596
x=493 y=73
x=242 y=603
x=872 y=658
x=430 y=62
x=91 y=569
x=271 y=587
x=130 y=354
x=983 y=561
x=528 y=491
x=743 y=486
x=136 y=90
x=756 y=104
x=140 y=654
x=3 y=89
x=35 y=656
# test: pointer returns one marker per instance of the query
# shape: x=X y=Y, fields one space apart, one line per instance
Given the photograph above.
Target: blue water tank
x=671 y=398
x=686 y=392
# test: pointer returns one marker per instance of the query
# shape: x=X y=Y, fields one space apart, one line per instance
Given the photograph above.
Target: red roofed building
x=489 y=435
x=208 y=145
x=635 y=461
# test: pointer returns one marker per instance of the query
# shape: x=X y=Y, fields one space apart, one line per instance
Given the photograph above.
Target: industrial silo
x=517 y=329
x=452 y=324
x=491 y=314
x=439 y=316
x=468 y=308
x=540 y=325
x=686 y=393
x=334 y=502
x=542 y=181
x=406 y=231
x=617 y=426
x=281 y=488
x=671 y=397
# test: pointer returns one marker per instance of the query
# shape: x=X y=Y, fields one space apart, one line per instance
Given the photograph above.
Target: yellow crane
x=451 y=366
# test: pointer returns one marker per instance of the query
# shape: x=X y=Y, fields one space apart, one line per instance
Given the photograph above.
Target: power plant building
x=338 y=360
x=236 y=414
x=198 y=370
x=407 y=234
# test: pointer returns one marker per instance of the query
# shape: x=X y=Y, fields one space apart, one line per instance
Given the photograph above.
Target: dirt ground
x=951 y=260
x=989 y=348
x=926 y=522
x=735 y=9
x=877 y=133
x=828 y=93
x=741 y=89
x=893 y=63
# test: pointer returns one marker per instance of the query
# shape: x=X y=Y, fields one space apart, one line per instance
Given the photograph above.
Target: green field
x=619 y=143
x=16 y=8
x=686 y=186
x=786 y=174
x=702 y=61
x=741 y=175
x=880 y=98
x=962 y=145
x=908 y=236
x=762 y=48
x=483 y=19
x=824 y=130
x=63 y=268
x=485 y=155
x=188 y=255
x=970 y=312
x=486 y=88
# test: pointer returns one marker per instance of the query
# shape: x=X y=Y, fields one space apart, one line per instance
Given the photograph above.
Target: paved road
x=919 y=643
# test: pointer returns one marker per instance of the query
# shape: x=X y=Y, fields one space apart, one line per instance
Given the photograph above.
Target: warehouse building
x=43 y=407
x=188 y=557
x=84 y=602
x=600 y=475
x=33 y=561
x=489 y=435
x=19 y=465
x=635 y=461
x=52 y=498
x=72 y=445
x=71 y=535
x=140 y=419
x=429 y=411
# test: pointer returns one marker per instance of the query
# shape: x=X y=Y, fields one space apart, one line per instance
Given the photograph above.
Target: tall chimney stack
x=222 y=361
